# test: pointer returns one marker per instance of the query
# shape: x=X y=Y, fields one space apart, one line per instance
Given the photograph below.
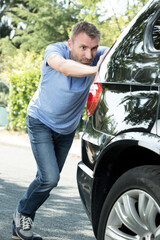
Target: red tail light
x=93 y=97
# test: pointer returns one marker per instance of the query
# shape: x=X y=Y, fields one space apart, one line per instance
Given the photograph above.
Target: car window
x=156 y=34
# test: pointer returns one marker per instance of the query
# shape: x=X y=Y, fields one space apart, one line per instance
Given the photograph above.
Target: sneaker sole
x=18 y=237
x=21 y=237
x=14 y=237
x=33 y=238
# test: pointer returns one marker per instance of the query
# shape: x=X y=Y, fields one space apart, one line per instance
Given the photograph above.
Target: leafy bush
x=24 y=81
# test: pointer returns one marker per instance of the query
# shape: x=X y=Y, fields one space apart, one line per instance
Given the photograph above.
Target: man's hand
x=101 y=59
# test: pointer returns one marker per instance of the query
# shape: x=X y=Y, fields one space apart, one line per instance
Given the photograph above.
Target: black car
x=119 y=175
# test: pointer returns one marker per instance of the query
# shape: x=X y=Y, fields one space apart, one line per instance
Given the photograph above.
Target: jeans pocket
x=33 y=122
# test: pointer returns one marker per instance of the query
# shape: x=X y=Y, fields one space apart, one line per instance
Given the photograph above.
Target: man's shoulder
x=57 y=45
x=102 y=49
x=59 y=48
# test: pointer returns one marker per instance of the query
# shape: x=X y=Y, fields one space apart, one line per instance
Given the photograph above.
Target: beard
x=82 y=60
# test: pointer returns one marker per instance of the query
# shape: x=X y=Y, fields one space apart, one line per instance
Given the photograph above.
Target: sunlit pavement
x=62 y=216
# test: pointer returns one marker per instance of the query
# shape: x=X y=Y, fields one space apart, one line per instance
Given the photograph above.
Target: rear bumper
x=85 y=183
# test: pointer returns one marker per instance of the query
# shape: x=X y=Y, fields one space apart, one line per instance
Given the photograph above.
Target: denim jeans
x=50 y=150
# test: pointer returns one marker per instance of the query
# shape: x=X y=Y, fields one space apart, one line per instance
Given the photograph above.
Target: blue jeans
x=50 y=150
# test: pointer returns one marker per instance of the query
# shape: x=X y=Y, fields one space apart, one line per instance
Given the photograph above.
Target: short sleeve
x=59 y=48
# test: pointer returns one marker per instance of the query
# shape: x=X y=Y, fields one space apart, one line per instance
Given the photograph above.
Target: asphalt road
x=62 y=216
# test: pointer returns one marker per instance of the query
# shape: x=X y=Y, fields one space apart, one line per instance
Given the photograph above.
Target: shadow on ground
x=61 y=217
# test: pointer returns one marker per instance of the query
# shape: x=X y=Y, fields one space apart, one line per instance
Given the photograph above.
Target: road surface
x=62 y=216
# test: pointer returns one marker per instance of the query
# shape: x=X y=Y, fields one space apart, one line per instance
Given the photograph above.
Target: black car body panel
x=125 y=124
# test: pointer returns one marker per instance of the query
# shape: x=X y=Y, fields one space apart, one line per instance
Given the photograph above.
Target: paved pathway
x=62 y=216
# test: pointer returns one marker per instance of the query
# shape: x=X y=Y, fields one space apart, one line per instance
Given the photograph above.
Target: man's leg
x=62 y=145
x=47 y=177
x=46 y=147
x=41 y=138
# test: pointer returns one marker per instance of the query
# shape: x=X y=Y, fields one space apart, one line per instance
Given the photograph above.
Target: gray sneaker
x=23 y=226
x=15 y=236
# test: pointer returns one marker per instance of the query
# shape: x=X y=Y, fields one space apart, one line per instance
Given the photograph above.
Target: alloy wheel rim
x=134 y=216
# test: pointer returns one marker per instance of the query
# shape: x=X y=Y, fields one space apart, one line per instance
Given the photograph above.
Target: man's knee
x=52 y=182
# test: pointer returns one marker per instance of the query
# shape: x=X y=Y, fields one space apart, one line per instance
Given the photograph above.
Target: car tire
x=132 y=207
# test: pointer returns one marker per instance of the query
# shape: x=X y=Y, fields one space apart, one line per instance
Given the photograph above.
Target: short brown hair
x=87 y=27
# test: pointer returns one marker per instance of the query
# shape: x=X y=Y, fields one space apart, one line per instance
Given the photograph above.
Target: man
x=54 y=114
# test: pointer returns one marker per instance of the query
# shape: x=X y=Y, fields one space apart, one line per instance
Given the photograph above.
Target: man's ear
x=70 y=44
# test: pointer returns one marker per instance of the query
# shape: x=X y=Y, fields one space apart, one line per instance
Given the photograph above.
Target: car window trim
x=148 y=40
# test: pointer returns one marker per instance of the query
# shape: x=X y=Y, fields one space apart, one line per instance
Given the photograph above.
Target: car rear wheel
x=132 y=208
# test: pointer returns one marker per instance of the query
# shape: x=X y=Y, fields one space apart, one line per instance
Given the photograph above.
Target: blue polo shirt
x=59 y=99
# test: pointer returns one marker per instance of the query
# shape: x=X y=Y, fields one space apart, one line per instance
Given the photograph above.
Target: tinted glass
x=156 y=34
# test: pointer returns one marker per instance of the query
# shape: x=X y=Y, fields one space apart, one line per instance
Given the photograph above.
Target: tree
x=110 y=25
x=35 y=24
x=5 y=24
x=38 y=23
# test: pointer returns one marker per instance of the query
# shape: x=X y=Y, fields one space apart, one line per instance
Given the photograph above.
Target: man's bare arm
x=72 y=68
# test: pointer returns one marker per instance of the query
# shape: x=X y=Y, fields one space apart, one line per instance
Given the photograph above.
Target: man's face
x=83 y=49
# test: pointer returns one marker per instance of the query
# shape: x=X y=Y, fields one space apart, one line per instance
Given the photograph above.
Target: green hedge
x=23 y=81
x=22 y=89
